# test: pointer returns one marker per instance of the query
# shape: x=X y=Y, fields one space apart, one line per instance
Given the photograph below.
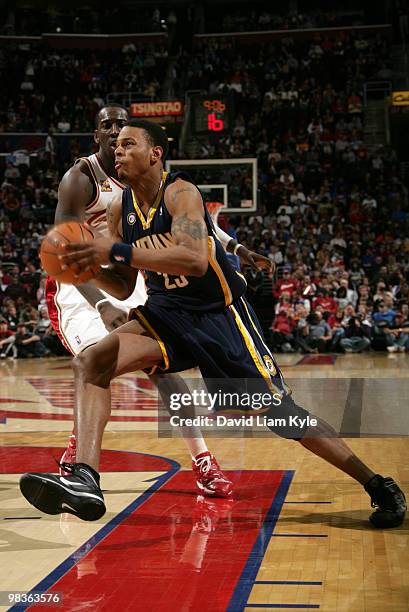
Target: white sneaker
x=392 y=349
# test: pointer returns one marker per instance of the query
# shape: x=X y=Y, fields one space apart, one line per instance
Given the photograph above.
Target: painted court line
x=288 y=606
x=299 y=535
x=246 y=581
x=307 y=582
x=308 y=502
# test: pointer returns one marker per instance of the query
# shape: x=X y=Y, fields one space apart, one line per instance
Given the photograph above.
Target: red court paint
x=19 y=459
x=175 y=552
x=316 y=360
x=59 y=393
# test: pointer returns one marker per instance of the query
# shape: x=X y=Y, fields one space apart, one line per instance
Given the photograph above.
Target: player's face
x=111 y=121
x=134 y=155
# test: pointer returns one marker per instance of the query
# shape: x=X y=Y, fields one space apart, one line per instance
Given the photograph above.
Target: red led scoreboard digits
x=211 y=114
x=215 y=108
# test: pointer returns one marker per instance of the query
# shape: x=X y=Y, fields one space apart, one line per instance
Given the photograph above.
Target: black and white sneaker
x=78 y=493
x=389 y=501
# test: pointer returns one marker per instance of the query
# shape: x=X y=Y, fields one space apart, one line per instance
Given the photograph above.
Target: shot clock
x=212 y=113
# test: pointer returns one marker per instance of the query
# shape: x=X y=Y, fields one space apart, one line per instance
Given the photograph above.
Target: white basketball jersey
x=106 y=187
x=69 y=300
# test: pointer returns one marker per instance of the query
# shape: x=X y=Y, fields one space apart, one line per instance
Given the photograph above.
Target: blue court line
x=47 y=582
x=245 y=583
x=288 y=606
x=299 y=535
x=21 y=518
x=308 y=502
x=309 y=582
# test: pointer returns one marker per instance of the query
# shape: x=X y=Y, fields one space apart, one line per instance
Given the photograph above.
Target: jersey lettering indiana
x=218 y=288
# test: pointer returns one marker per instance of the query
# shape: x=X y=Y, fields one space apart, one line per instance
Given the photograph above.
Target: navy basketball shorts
x=227 y=346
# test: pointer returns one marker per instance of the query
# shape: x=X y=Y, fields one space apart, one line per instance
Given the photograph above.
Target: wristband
x=236 y=248
x=101 y=301
x=121 y=253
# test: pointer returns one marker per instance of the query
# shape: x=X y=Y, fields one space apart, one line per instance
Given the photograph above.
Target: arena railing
x=260 y=36
x=87 y=41
x=15 y=146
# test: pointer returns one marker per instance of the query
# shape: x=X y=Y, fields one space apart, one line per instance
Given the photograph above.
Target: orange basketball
x=53 y=245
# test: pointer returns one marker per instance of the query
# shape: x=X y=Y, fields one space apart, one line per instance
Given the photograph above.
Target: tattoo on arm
x=195 y=229
x=179 y=191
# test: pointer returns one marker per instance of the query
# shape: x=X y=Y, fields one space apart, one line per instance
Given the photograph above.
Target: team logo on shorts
x=78 y=339
x=105 y=186
x=131 y=218
x=269 y=364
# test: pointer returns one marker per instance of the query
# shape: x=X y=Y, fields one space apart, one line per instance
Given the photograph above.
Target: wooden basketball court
x=295 y=536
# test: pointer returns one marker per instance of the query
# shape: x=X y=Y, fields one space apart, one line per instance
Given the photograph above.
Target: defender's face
x=134 y=154
x=111 y=121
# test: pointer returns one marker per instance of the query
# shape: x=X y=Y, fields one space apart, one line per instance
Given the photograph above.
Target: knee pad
x=290 y=420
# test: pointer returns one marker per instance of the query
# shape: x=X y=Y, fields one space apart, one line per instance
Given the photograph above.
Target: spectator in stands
x=275 y=255
x=380 y=292
x=29 y=315
x=44 y=330
x=10 y=314
x=404 y=311
x=282 y=337
x=345 y=295
x=356 y=336
x=285 y=303
x=320 y=334
x=384 y=314
x=326 y=301
x=397 y=335
x=287 y=283
x=7 y=341
x=337 y=324
x=29 y=344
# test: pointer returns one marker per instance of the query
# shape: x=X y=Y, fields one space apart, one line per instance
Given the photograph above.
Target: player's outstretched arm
x=247 y=257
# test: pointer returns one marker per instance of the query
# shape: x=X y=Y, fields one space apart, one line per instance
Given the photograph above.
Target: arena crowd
x=333 y=213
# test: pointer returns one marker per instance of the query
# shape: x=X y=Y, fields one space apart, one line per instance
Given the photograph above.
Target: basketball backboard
x=231 y=181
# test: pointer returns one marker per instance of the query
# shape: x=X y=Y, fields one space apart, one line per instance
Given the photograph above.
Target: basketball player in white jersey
x=84 y=314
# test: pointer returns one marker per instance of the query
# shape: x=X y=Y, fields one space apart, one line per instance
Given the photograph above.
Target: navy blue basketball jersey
x=218 y=288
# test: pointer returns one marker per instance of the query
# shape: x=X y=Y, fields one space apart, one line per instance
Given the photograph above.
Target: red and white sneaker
x=210 y=479
x=69 y=456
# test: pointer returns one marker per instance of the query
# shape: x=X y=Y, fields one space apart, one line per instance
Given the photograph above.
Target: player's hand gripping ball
x=54 y=245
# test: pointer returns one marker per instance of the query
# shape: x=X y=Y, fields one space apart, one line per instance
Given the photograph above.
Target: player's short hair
x=112 y=105
x=156 y=134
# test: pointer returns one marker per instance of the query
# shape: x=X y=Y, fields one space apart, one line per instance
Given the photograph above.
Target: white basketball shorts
x=76 y=322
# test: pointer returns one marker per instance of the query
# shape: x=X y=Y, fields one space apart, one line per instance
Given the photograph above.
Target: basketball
x=53 y=246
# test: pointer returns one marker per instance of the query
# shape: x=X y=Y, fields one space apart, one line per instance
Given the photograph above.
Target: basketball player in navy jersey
x=83 y=315
x=195 y=315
